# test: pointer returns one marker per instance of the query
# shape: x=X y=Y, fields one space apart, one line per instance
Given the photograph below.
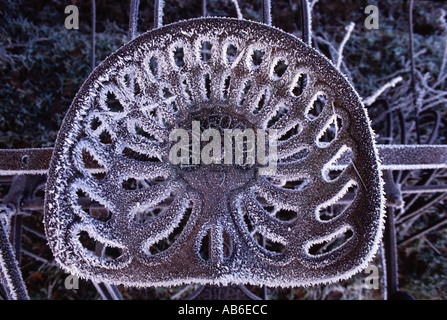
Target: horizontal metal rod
x=85 y=203
x=392 y=157
x=405 y=157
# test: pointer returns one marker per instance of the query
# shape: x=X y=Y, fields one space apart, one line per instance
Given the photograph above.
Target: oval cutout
x=330 y=243
x=316 y=106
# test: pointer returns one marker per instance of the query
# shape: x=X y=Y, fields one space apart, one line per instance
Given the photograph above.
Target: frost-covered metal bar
x=392 y=157
x=408 y=157
x=267 y=12
x=306 y=22
x=10 y=275
x=133 y=19
x=93 y=39
x=158 y=13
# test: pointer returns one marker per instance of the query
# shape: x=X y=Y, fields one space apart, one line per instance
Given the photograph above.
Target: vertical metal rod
x=390 y=253
x=305 y=22
x=133 y=19
x=93 y=44
x=410 y=22
x=158 y=13
x=413 y=76
x=267 y=12
x=17 y=236
x=10 y=274
x=204 y=12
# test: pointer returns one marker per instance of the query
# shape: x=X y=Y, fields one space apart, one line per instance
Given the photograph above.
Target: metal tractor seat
x=223 y=73
x=119 y=211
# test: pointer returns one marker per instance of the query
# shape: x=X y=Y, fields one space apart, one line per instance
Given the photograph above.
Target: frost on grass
x=139 y=220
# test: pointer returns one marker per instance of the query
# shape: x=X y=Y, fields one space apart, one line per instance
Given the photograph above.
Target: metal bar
x=392 y=157
x=267 y=12
x=306 y=22
x=29 y=161
x=158 y=13
x=390 y=253
x=204 y=11
x=85 y=203
x=133 y=19
x=424 y=189
x=93 y=40
x=10 y=274
x=407 y=157
x=412 y=157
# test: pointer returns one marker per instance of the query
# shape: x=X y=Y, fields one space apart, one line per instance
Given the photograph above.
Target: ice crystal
x=152 y=222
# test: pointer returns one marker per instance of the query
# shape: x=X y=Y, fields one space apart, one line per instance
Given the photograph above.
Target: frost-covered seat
x=157 y=223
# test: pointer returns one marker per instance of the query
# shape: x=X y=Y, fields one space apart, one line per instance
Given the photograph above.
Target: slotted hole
x=278 y=115
x=135 y=155
x=316 y=106
x=105 y=137
x=207 y=85
x=300 y=85
x=335 y=167
x=167 y=93
x=266 y=205
x=143 y=133
x=205 y=51
x=136 y=88
x=330 y=132
x=262 y=101
x=165 y=243
x=226 y=87
x=329 y=212
x=227 y=244
x=187 y=92
x=297 y=156
x=129 y=81
x=179 y=55
x=142 y=215
x=286 y=215
x=247 y=86
x=175 y=109
x=112 y=253
x=205 y=247
x=90 y=161
x=86 y=241
x=293 y=131
x=267 y=244
x=231 y=53
x=137 y=184
x=328 y=246
x=279 y=69
x=92 y=207
x=154 y=67
x=98 y=212
x=95 y=123
x=247 y=220
x=298 y=184
x=256 y=59
x=113 y=103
